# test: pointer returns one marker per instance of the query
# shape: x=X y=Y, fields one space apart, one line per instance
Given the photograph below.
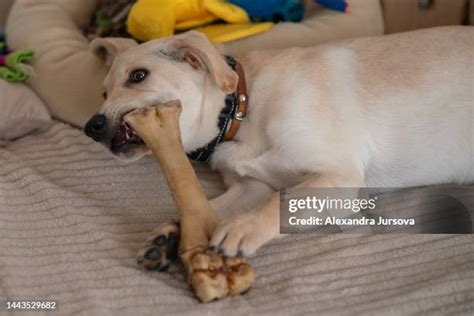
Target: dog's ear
x=109 y=47
x=195 y=49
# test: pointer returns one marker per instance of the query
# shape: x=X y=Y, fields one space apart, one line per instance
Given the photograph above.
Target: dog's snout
x=96 y=127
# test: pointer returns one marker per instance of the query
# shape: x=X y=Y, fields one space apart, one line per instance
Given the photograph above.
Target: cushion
x=69 y=77
x=22 y=111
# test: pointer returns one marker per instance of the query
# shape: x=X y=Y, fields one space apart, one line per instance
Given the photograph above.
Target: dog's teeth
x=129 y=134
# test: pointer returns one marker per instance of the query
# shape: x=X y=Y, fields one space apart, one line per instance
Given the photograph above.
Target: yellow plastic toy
x=151 y=19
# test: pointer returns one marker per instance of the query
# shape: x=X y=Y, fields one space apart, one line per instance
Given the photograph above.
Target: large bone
x=211 y=276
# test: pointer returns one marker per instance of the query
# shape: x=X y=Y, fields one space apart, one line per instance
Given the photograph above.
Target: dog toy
x=210 y=275
x=13 y=65
x=272 y=10
x=283 y=10
x=339 y=5
x=149 y=19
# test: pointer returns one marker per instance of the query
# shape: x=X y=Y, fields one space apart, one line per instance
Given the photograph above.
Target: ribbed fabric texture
x=72 y=219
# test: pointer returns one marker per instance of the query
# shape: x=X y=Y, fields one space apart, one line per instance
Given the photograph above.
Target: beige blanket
x=72 y=219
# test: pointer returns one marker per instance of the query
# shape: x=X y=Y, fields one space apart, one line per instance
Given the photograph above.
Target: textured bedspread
x=72 y=219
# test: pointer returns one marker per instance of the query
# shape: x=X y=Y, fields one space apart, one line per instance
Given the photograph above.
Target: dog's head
x=185 y=67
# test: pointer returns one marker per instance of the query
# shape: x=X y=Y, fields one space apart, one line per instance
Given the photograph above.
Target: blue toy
x=339 y=5
x=272 y=10
x=283 y=10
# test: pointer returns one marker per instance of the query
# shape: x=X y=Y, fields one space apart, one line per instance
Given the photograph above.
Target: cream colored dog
x=391 y=111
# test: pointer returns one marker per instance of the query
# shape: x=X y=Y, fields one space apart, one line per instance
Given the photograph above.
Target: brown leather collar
x=241 y=110
x=232 y=114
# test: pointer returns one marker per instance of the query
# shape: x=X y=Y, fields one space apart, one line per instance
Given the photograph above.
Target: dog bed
x=69 y=78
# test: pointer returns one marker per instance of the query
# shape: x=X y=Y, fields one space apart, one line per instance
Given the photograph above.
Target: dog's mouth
x=125 y=138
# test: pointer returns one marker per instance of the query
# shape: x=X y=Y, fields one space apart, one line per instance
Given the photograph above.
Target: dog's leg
x=161 y=247
x=244 y=234
x=211 y=276
x=240 y=197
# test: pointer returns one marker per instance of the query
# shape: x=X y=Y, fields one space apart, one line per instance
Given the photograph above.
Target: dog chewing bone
x=211 y=276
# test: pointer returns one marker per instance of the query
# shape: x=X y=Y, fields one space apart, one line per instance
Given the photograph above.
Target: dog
x=391 y=111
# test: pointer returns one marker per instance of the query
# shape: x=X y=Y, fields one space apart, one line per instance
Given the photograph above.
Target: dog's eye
x=104 y=94
x=138 y=75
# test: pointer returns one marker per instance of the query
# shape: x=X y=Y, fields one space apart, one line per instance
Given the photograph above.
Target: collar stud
x=239 y=116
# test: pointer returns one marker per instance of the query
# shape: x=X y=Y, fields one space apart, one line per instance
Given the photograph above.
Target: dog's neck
x=232 y=112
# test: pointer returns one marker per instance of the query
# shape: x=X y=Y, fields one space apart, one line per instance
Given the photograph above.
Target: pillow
x=22 y=111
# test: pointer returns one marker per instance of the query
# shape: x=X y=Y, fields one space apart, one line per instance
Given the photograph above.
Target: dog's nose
x=96 y=127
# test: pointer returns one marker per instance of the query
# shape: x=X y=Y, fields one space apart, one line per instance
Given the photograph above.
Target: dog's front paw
x=242 y=236
x=161 y=247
